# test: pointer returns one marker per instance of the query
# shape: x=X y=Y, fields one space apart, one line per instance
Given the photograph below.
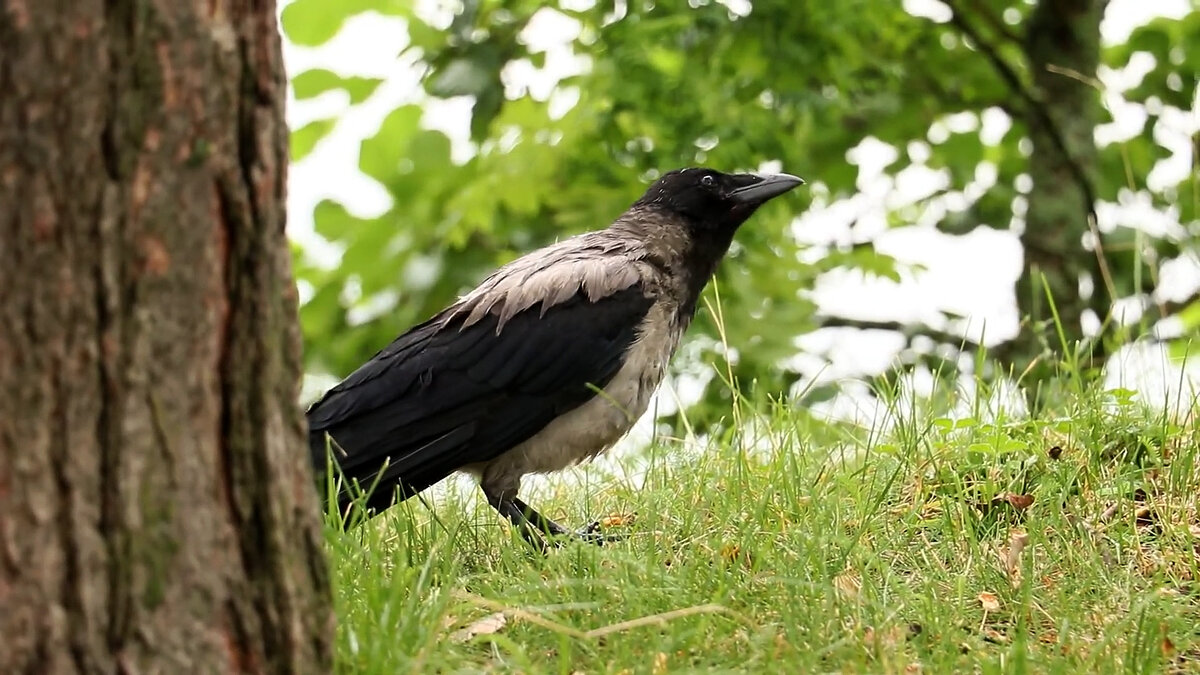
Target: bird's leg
x=507 y=507
x=536 y=528
x=542 y=523
x=591 y=534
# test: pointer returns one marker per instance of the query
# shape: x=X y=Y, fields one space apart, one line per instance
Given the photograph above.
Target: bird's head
x=715 y=201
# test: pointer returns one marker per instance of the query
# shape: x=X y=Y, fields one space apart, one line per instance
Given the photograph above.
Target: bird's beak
x=758 y=187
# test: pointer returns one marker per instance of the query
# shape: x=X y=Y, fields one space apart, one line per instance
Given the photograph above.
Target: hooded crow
x=544 y=365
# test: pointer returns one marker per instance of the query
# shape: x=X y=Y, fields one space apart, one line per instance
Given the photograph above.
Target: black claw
x=592 y=536
x=541 y=532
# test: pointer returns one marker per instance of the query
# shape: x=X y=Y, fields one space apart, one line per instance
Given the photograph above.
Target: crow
x=547 y=363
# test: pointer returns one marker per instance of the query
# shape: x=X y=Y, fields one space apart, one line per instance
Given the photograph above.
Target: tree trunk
x=156 y=510
x=1062 y=47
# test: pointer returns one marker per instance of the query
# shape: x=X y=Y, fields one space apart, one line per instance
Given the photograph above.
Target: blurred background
x=996 y=187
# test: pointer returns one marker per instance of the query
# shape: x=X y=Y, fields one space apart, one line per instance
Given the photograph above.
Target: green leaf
x=487 y=106
x=312 y=83
x=462 y=77
x=380 y=155
x=313 y=22
x=306 y=137
x=796 y=81
x=332 y=221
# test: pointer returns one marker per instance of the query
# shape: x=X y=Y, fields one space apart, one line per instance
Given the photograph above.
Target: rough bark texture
x=1062 y=47
x=156 y=513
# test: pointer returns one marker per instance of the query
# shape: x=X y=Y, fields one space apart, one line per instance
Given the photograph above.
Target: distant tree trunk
x=1062 y=47
x=156 y=511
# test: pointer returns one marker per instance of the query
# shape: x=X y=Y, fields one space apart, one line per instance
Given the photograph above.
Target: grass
x=824 y=548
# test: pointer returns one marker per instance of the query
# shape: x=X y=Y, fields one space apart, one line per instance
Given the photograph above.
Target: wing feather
x=460 y=389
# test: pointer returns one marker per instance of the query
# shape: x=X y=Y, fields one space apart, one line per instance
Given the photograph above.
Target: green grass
x=826 y=549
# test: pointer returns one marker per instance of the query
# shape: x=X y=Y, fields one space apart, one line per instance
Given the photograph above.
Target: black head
x=714 y=200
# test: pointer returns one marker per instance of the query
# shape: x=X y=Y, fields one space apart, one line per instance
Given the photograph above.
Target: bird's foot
x=594 y=533
x=540 y=531
x=588 y=535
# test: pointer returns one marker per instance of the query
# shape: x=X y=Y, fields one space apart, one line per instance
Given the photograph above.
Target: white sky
x=971 y=275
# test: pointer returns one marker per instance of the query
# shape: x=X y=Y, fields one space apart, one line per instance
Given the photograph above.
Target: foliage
x=797 y=82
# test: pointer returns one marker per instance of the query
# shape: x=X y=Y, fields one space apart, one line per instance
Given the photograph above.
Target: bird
x=544 y=365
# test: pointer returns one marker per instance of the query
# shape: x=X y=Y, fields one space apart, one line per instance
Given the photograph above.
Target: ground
x=1066 y=543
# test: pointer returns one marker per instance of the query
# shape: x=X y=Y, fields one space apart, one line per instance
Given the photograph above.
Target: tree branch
x=908 y=330
x=1035 y=106
x=995 y=21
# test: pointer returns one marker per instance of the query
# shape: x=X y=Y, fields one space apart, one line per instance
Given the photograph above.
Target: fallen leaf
x=492 y=623
x=1144 y=516
x=989 y=601
x=1168 y=647
x=994 y=636
x=1019 y=502
x=848 y=584
x=781 y=645
x=730 y=552
x=618 y=520
x=1017 y=541
x=1108 y=513
x=887 y=638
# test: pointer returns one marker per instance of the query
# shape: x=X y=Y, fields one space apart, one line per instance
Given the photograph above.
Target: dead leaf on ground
x=617 y=520
x=886 y=638
x=781 y=645
x=488 y=625
x=989 y=602
x=994 y=636
x=1168 y=647
x=1144 y=516
x=1111 y=511
x=1017 y=541
x=1018 y=502
x=848 y=584
x=1048 y=636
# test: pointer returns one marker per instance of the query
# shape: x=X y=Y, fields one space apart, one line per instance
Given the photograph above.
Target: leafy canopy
x=796 y=83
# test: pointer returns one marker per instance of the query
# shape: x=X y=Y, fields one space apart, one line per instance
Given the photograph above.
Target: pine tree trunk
x=1063 y=51
x=156 y=510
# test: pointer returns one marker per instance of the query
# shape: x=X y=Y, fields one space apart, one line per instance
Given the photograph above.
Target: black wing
x=442 y=396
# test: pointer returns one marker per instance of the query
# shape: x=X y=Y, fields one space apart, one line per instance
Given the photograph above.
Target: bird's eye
x=708 y=181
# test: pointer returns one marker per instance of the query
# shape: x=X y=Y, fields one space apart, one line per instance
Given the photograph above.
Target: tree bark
x=1062 y=47
x=156 y=510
